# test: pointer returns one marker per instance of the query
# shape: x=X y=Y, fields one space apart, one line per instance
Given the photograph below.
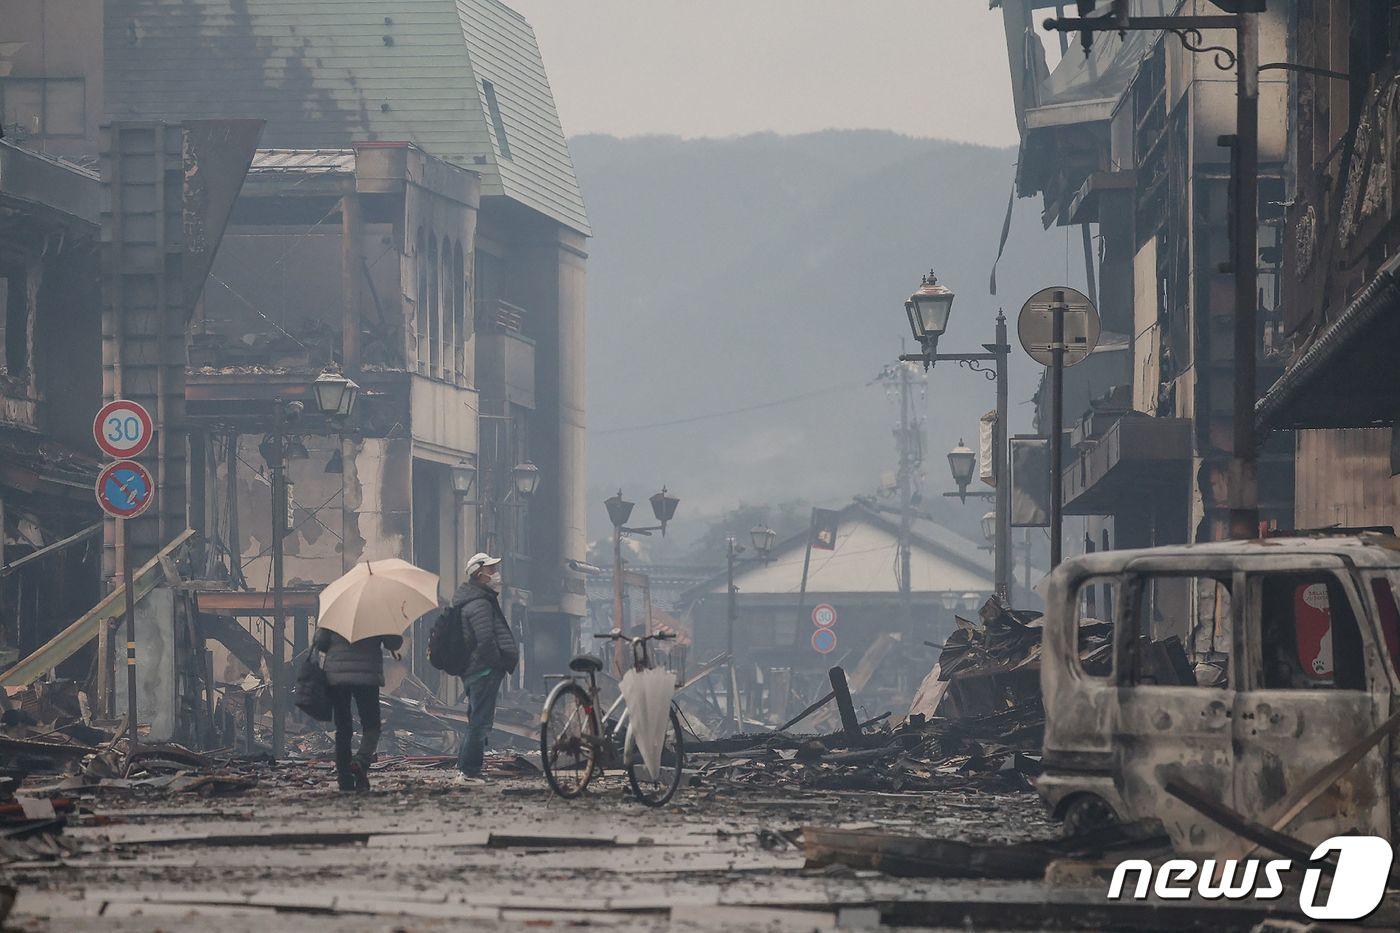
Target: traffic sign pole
x=1057 y=424
x=123 y=429
x=130 y=586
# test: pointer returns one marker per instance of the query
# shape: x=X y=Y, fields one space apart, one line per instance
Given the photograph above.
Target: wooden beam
x=240 y=603
x=48 y=549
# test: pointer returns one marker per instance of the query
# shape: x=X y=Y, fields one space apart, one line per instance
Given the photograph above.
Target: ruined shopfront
x=50 y=387
x=1342 y=296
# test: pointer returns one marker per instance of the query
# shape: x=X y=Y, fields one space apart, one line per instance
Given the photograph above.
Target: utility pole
x=279 y=621
x=1000 y=452
x=907 y=457
x=1244 y=479
x=1242 y=18
x=733 y=549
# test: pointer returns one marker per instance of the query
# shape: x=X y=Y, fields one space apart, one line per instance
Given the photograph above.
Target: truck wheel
x=1087 y=812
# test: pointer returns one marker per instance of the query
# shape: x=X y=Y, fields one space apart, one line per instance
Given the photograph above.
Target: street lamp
x=335 y=392
x=619 y=509
x=963 y=462
x=763 y=539
x=463 y=476
x=527 y=479
x=663 y=506
x=989 y=527
x=928 y=310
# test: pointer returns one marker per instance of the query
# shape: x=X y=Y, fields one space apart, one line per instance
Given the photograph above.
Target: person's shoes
x=359 y=776
x=462 y=779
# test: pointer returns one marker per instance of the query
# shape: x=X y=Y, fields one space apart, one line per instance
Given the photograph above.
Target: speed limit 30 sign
x=122 y=429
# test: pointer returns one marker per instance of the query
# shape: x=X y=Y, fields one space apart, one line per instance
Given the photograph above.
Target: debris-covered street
x=419 y=851
x=740 y=465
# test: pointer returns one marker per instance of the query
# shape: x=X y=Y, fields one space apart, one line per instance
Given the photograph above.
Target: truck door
x=1316 y=681
x=1176 y=695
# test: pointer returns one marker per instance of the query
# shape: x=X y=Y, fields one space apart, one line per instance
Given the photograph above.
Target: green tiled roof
x=325 y=73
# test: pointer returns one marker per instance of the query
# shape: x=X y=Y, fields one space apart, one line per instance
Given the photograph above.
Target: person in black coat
x=354 y=673
x=495 y=655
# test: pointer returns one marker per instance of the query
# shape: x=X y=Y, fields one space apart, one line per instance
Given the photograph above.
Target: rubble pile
x=977 y=722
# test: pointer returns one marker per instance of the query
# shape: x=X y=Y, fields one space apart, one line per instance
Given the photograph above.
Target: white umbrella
x=377 y=598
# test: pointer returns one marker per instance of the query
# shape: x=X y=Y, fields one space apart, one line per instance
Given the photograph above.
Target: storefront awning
x=1347 y=377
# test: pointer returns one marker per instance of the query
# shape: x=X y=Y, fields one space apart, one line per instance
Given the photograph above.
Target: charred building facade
x=233 y=198
x=1129 y=144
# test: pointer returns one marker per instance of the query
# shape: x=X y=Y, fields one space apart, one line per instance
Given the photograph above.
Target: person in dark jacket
x=495 y=655
x=354 y=673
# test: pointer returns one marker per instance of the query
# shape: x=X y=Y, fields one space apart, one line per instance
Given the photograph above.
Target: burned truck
x=1258 y=674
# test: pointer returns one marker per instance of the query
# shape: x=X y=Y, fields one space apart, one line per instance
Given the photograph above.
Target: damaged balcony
x=1125 y=461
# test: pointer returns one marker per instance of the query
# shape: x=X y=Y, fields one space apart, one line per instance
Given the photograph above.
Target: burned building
x=413 y=218
x=1342 y=304
x=50 y=388
x=1127 y=144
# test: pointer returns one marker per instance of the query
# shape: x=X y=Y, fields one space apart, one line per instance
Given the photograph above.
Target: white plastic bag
x=648 y=695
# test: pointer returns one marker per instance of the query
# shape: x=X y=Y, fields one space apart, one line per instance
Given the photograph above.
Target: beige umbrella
x=377 y=598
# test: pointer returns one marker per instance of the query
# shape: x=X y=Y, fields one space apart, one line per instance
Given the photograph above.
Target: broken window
x=1308 y=633
x=1181 y=631
x=44 y=106
x=1389 y=613
x=459 y=310
x=421 y=256
x=1094 y=632
x=434 y=310
x=14 y=319
x=448 y=334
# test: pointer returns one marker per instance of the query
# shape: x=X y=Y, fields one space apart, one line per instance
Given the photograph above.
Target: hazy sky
x=725 y=67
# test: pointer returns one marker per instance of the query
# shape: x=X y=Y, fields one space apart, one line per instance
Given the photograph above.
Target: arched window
x=449 y=302
x=421 y=299
x=459 y=310
x=434 y=309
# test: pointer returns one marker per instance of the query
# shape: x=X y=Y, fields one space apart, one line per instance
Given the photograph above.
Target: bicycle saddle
x=586 y=663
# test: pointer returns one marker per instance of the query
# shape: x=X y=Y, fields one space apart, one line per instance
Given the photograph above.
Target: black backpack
x=450 y=649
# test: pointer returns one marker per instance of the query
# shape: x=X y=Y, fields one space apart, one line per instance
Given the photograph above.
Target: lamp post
x=732 y=550
x=335 y=396
x=928 y=310
x=663 y=506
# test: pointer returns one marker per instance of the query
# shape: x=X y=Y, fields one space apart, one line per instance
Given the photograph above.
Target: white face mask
x=492 y=582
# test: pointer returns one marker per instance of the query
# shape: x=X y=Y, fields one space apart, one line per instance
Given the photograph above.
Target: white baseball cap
x=479 y=561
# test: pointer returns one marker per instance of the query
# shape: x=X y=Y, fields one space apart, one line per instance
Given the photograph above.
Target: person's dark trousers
x=366 y=700
x=481 y=711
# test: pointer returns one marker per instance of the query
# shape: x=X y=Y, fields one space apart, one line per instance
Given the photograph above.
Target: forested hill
x=730 y=274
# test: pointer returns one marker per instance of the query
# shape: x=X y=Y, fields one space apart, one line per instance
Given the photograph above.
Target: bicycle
x=573 y=746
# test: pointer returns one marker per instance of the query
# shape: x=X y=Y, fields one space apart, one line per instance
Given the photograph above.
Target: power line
x=829 y=390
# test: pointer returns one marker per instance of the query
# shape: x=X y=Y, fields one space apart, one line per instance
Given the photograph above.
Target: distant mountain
x=730 y=274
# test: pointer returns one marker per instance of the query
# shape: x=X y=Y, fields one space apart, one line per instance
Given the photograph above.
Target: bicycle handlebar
x=616 y=636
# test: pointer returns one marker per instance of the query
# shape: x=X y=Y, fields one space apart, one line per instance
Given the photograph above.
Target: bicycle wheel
x=655 y=793
x=569 y=741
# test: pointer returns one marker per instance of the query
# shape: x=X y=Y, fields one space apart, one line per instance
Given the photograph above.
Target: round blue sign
x=824 y=640
x=124 y=489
